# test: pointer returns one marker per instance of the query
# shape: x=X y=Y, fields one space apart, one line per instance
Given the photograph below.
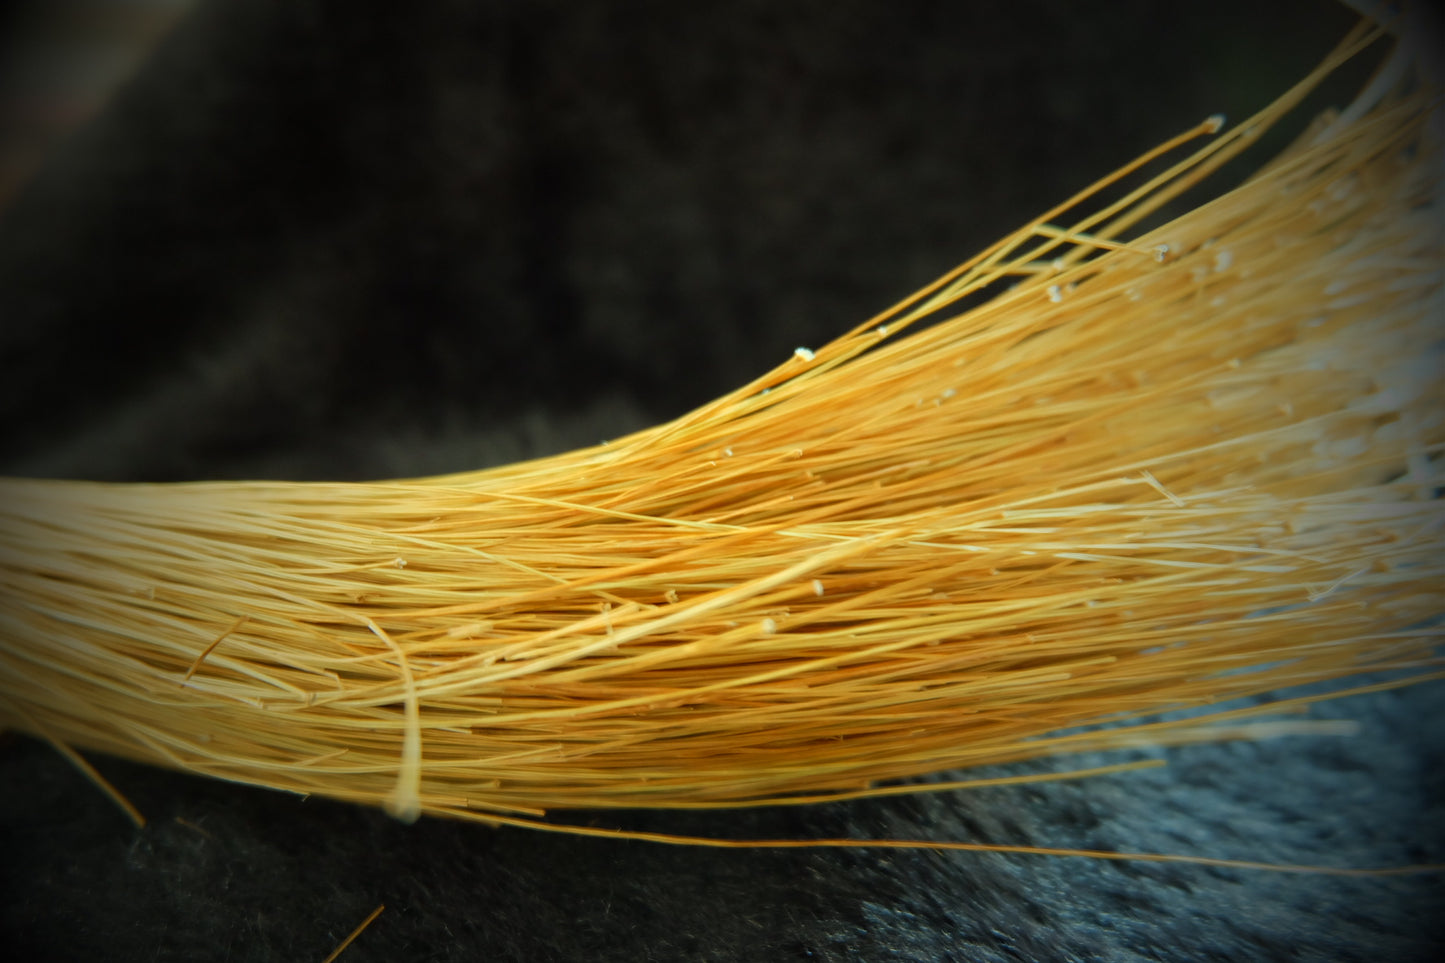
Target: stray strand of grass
x=331 y=958
x=949 y=846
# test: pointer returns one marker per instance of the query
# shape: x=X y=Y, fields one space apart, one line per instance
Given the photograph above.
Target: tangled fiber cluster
x=1108 y=473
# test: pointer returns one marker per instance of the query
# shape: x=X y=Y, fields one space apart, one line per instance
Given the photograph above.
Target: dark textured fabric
x=360 y=239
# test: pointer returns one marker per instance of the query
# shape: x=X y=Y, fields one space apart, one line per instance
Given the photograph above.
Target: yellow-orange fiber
x=1161 y=470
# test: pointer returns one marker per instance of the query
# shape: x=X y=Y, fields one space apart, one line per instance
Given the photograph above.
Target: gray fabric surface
x=351 y=240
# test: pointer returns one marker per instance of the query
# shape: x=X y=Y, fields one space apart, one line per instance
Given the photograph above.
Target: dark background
x=360 y=239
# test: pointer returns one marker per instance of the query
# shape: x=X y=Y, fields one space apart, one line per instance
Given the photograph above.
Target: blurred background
x=63 y=59
x=324 y=239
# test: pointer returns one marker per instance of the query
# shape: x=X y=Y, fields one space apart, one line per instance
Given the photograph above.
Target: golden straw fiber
x=1109 y=472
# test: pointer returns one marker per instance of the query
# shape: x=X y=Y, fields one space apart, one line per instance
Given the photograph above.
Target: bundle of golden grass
x=1144 y=475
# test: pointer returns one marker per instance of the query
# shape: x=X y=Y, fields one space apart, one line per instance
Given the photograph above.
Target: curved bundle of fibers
x=1142 y=472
